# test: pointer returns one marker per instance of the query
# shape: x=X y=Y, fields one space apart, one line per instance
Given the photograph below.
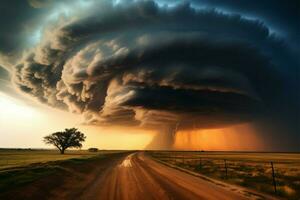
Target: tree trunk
x=62 y=151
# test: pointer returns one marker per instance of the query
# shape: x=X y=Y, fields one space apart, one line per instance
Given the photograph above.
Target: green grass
x=17 y=158
x=49 y=162
x=252 y=170
x=15 y=178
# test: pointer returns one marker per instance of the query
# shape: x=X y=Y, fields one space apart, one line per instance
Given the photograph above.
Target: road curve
x=139 y=177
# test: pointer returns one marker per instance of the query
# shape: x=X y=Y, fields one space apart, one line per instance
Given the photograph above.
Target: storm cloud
x=144 y=64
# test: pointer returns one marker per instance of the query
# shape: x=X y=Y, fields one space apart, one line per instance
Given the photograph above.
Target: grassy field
x=15 y=158
x=29 y=166
x=252 y=170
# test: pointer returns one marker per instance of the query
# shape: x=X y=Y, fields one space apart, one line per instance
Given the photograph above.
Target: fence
x=265 y=176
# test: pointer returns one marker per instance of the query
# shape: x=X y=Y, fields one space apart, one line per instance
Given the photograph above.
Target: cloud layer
x=146 y=65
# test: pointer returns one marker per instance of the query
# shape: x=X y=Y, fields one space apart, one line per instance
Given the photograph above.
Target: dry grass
x=16 y=158
x=252 y=170
x=14 y=178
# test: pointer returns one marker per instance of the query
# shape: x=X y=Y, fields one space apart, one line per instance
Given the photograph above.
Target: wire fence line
x=223 y=164
x=276 y=177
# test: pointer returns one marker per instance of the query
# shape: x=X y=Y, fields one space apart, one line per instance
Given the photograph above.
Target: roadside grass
x=14 y=158
x=22 y=174
x=15 y=178
x=251 y=170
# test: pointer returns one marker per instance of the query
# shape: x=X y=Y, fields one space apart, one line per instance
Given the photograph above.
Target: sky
x=156 y=74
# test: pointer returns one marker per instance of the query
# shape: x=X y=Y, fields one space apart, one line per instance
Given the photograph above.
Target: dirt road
x=132 y=176
x=139 y=177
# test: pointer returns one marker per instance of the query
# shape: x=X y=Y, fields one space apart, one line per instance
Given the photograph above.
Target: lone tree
x=63 y=140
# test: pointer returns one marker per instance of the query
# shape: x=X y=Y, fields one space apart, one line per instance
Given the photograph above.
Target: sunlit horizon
x=33 y=123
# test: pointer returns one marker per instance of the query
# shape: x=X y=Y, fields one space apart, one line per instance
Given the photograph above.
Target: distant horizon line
x=234 y=151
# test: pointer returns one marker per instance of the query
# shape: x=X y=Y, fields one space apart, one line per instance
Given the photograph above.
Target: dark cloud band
x=141 y=64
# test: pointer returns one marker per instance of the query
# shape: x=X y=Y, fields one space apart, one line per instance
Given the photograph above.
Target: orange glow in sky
x=117 y=138
x=24 y=126
x=237 y=137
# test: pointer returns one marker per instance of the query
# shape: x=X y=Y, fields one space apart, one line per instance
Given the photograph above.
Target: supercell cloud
x=153 y=64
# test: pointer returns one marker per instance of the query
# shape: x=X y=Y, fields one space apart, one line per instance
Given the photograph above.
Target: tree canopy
x=65 y=139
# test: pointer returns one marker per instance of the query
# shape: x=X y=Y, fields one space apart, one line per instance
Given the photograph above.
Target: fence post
x=273 y=175
x=225 y=168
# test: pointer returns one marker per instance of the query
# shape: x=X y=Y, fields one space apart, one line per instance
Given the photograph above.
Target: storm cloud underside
x=167 y=68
